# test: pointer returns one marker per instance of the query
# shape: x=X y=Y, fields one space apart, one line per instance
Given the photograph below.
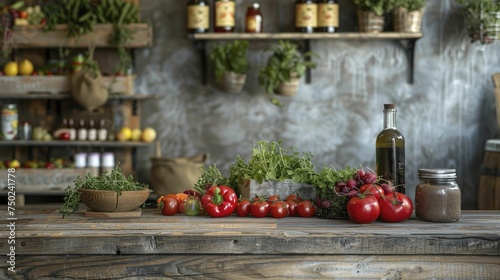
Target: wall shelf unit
x=407 y=40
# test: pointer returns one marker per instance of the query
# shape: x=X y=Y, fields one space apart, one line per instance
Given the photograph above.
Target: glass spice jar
x=253 y=19
x=306 y=16
x=437 y=196
x=224 y=18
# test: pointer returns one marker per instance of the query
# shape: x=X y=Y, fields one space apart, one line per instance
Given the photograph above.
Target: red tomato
x=23 y=14
x=292 y=207
x=294 y=197
x=243 y=208
x=372 y=189
x=395 y=207
x=306 y=209
x=65 y=136
x=278 y=209
x=363 y=209
x=168 y=205
x=259 y=208
x=272 y=199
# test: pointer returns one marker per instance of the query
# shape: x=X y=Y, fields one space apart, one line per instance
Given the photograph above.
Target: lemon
x=124 y=134
x=10 y=68
x=25 y=67
x=148 y=134
x=136 y=134
x=15 y=164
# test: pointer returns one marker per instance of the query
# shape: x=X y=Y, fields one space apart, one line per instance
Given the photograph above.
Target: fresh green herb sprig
x=270 y=161
x=328 y=177
x=211 y=176
x=114 y=181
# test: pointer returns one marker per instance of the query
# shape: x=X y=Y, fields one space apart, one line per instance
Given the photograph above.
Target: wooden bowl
x=111 y=201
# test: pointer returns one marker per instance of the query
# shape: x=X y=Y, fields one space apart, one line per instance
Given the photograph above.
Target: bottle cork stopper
x=389 y=106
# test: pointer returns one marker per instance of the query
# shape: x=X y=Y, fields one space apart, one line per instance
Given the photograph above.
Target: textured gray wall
x=446 y=115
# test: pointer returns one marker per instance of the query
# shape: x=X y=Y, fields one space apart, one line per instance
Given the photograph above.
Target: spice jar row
x=310 y=16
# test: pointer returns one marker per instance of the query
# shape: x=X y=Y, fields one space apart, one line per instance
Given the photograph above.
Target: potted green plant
x=482 y=20
x=371 y=14
x=407 y=15
x=231 y=65
x=113 y=192
x=284 y=68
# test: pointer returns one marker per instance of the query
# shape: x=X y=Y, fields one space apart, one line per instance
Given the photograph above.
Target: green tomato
x=192 y=206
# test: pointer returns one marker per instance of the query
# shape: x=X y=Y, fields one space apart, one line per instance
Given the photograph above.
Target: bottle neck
x=390 y=119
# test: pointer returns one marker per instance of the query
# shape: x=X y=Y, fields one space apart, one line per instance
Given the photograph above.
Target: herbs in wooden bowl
x=113 y=192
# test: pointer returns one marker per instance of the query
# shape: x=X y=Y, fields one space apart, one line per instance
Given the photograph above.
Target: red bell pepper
x=219 y=201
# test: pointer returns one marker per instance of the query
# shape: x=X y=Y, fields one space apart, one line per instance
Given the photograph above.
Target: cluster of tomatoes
x=375 y=202
x=192 y=203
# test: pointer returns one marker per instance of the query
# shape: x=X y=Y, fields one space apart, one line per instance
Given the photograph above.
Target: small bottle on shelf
x=254 y=19
x=328 y=16
x=102 y=133
x=82 y=131
x=306 y=16
x=198 y=16
x=72 y=130
x=92 y=132
x=224 y=19
x=390 y=150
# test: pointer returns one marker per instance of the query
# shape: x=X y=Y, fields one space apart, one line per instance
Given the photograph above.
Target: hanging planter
x=232 y=82
x=482 y=20
x=288 y=88
x=231 y=65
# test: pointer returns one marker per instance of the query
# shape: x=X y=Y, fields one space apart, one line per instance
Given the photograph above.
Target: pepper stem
x=217 y=197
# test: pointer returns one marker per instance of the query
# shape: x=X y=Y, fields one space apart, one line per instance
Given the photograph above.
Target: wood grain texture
x=158 y=247
x=302 y=36
x=195 y=266
x=31 y=36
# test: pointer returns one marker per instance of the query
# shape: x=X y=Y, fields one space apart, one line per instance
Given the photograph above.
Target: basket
x=330 y=205
x=407 y=21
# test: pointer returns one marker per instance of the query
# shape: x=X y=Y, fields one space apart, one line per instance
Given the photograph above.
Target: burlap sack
x=88 y=91
x=174 y=175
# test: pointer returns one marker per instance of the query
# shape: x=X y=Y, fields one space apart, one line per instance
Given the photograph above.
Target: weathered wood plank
x=32 y=36
x=195 y=266
x=302 y=36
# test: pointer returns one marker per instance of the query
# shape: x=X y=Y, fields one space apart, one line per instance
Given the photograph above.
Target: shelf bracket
x=307 y=48
x=409 y=46
x=201 y=45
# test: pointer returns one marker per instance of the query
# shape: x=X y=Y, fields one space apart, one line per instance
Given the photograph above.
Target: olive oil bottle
x=390 y=150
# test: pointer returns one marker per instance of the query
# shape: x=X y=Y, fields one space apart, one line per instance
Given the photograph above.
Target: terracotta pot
x=407 y=21
x=232 y=82
x=369 y=22
x=111 y=201
x=288 y=88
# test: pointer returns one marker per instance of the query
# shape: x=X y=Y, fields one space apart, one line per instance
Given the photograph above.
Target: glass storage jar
x=437 y=196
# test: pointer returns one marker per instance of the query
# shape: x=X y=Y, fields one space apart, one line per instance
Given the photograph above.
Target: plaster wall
x=446 y=116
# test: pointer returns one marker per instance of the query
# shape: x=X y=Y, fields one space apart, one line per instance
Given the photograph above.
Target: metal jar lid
x=493 y=145
x=437 y=173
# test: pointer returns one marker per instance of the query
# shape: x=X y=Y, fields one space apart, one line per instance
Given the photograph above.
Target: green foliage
x=328 y=177
x=479 y=14
x=270 y=161
x=379 y=7
x=410 y=5
x=211 y=176
x=231 y=56
x=114 y=181
x=285 y=61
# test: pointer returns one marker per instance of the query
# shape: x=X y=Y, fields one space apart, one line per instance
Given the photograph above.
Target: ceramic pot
x=369 y=22
x=288 y=88
x=111 y=201
x=233 y=82
x=407 y=21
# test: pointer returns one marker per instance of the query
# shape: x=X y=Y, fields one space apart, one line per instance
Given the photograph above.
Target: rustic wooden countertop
x=158 y=247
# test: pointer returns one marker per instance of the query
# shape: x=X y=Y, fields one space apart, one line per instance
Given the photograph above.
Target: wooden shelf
x=407 y=40
x=61 y=143
x=303 y=36
x=35 y=37
x=35 y=96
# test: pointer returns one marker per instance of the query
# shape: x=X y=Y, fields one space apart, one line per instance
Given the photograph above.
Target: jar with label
x=306 y=16
x=254 y=19
x=437 y=196
x=92 y=131
x=107 y=162
x=10 y=121
x=82 y=131
x=94 y=163
x=224 y=19
x=328 y=16
x=198 y=16
x=25 y=131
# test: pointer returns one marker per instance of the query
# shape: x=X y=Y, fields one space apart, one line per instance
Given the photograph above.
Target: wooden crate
x=42 y=180
x=281 y=188
x=123 y=85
